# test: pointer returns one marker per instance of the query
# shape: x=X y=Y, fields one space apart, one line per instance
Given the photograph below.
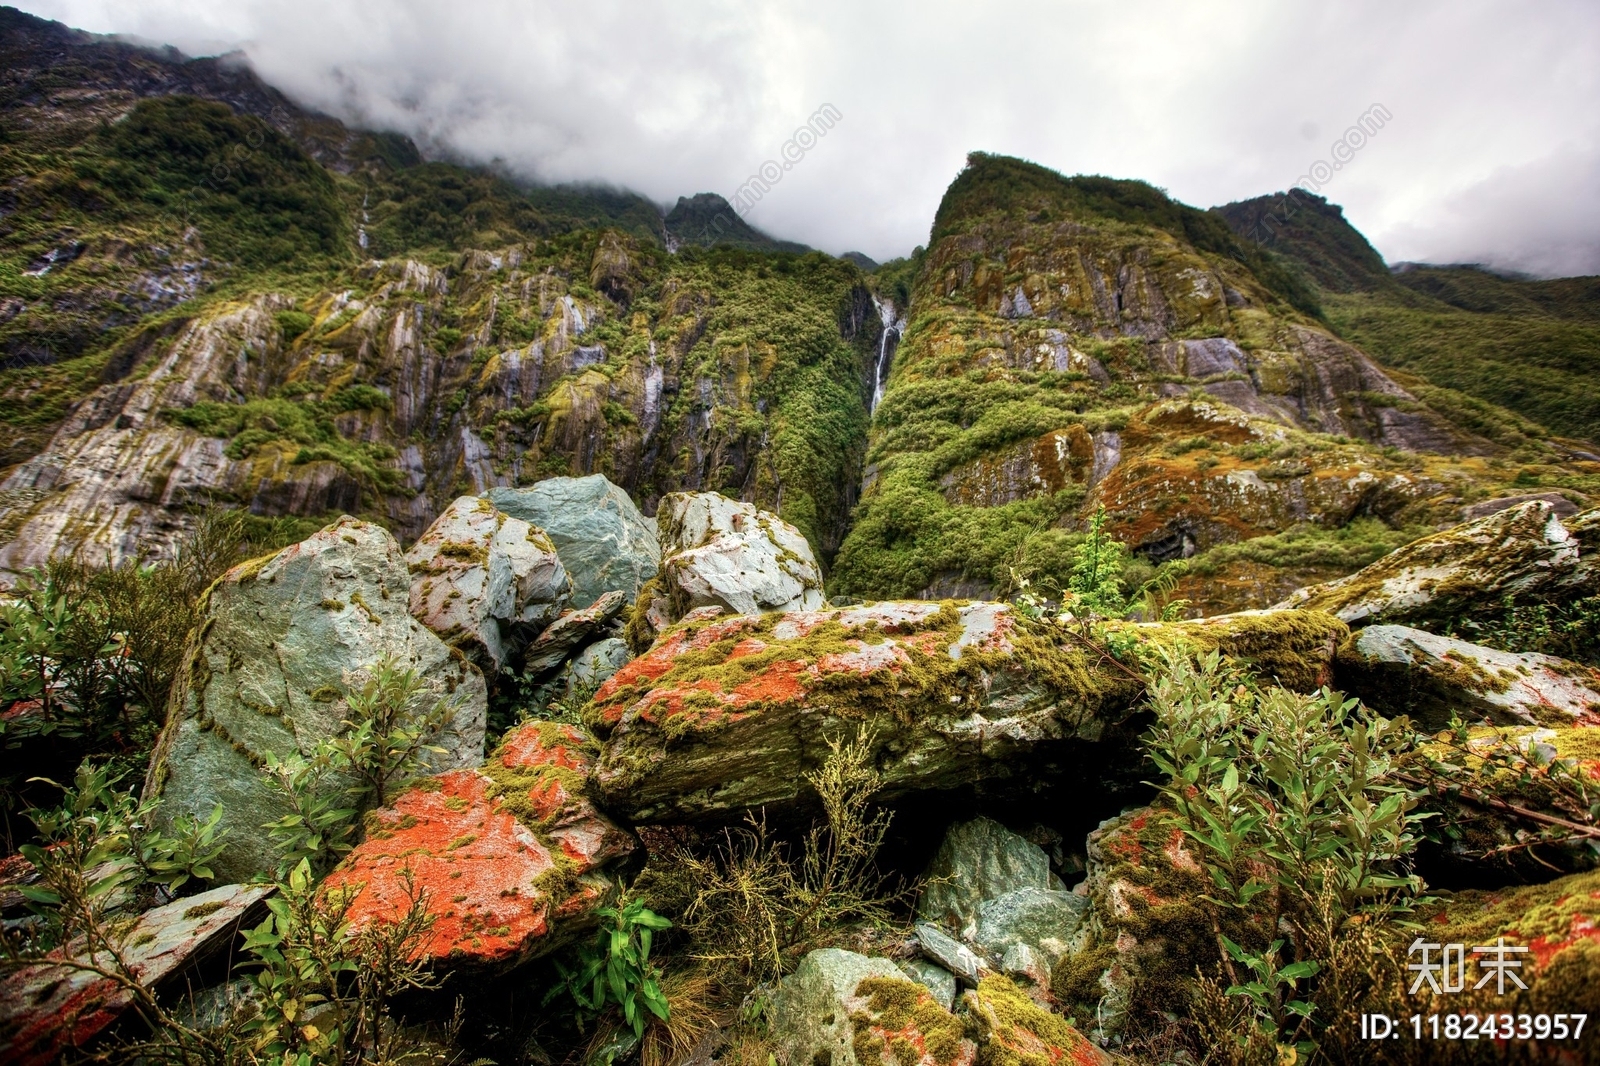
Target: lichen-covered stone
x=507 y=856
x=1016 y=1031
x=48 y=1010
x=281 y=640
x=477 y=575
x=1146 y=928
x=979 y=860
x=725 y=715
x=1559 y=925
x=844 y=1009
x=720 y=552
x=1523 y=553
x=1398 y=670
x=603 y=540
x=935 y=978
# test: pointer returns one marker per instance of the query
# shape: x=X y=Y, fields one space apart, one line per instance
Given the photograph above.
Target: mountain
x=1078 y=343
x=1530 y=346
x=707 y=220
x=209 y=296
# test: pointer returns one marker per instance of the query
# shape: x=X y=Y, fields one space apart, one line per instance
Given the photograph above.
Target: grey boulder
x=281 y=641
x=979 y=860
x=606 y=544
x=724 y=553
x=1398 y=670
x=477 y=575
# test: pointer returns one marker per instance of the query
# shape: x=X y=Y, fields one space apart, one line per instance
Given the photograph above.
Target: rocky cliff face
x=419 y=383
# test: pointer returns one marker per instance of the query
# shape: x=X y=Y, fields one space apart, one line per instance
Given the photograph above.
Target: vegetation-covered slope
x=235 y=301
x=1530 y=346
x=1082 y=342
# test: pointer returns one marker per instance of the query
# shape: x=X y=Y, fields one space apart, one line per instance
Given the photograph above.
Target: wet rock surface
x=282 y=640
x=508 y=858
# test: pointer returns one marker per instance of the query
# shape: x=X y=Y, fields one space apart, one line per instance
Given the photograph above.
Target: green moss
x=201 y=910
x=908 y=1014
x=1022 y=1033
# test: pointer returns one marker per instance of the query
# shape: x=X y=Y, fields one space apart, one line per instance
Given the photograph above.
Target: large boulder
x=508 y=857
x=281 y=641
x=49 y=1009
x=725 y=715
x=1398 y=670
x=1524 y=554
x=718 y=552
x=603 y=540
x=843 y=1009
x=478 y=575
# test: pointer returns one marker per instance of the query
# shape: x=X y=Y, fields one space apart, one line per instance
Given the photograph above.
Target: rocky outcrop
x=1398 y=670
x=508 y=858
x=48 y=1009
x=282 y=640
x=603 y=540
x=1558 y=924
x=478 y=576
x=718 y=552
x=1145 y=929
x=722 y=716
x=1523 y=554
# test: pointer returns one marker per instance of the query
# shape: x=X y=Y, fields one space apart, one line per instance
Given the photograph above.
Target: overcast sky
x=1492 y=154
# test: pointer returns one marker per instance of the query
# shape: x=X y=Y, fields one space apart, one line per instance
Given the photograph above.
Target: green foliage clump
x=749 y=905
x=614 y=970
x=261 y=423
x=1568 y=630
x=98 y=648
x=1304 y=823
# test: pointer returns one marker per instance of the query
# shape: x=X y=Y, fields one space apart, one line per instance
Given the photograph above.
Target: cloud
x=1214 y=101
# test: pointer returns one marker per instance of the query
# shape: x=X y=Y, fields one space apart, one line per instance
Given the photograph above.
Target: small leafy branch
x=615 y=971
x=383 y=742
x=1302 y=819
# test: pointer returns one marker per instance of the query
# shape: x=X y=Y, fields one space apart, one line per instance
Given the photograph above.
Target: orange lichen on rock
x=497 y=854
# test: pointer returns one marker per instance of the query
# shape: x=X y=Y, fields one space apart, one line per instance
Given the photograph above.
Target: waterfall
x=893 y=326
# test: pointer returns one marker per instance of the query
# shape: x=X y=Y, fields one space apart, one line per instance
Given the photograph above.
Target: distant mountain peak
x=706 y=219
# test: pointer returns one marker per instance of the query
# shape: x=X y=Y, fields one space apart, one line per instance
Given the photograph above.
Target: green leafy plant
x=1303 y=819
x=614 y=970
x=387 y=734
x=325 y=988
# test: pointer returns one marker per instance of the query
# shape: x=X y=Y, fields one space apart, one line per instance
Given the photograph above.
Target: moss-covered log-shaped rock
x=506 y=856
x=1552 y=932
x=728 y=714
x=1399 y=670
x=1522 y=554
x=281 y=642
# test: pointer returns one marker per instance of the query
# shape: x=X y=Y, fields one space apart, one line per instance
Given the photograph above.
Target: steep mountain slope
x=234 y=301
x=1083 y=342
x=706 y=220
x=1530 y=346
